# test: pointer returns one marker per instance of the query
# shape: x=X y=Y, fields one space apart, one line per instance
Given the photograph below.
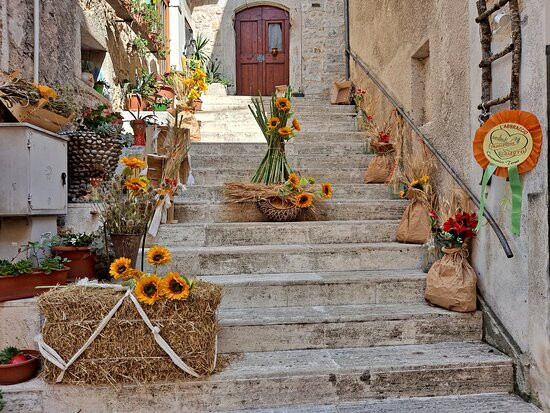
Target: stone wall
x=428 y=56
x=317 y=40
x=70 y=31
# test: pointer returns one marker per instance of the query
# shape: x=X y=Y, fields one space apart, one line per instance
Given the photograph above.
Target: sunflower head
x=120 y=267
x=326 y=190
x=416 y=184
x=159 y=256
x=175 y=287
x=133 y=274
x=296 y=124
x=294 y=180
x=283 y=104
x=402 y=194
x=148 y=289
x=285 y=132
x=273 y=123
x=303 y=200
x=133 y=162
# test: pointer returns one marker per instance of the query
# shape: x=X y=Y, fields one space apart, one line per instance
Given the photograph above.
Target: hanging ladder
x=488 y=57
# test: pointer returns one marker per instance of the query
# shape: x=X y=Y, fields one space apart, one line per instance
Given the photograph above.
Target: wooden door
x=262 y=50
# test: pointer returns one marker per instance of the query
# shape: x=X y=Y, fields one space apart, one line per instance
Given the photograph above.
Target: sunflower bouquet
x=150 y=287
x=190 y=83
x=274 y=167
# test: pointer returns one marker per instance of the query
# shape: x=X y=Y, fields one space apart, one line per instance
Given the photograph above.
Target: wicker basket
x=278 y=210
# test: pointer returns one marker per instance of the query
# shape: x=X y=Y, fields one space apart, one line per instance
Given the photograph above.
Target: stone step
x=317 y=327
x=205 y=176
x=475 y=403
x=309 y=136
x=323 y=288
x=333 y=210
x=226 y=129
x=215 y=193
x=261 y=259
x=275 y=233
x=286 y=378
x=239 y=115
x=353 y=145
x=325 y=163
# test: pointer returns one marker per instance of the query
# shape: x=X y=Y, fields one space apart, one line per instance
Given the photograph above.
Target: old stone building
x=243 y=35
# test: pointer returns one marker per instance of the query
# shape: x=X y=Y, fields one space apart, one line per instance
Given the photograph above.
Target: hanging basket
x=278 y=210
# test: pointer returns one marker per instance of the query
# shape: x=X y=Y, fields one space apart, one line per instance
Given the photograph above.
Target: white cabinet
x=33 y=171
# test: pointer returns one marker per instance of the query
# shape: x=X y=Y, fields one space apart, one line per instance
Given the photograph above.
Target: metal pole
x=438 y=156
x=36 y=39
x=346 y=24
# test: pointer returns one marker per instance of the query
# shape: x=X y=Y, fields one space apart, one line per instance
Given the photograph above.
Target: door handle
x=260 y=58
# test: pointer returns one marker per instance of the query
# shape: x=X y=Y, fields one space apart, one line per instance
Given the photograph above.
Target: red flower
x=433 y=215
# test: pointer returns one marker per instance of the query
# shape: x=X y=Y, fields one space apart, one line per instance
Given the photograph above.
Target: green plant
x=199 y=54
x=100 y=120
x=68 y=239
x=50 y=264
x=7 y=353
x=34 y=249
x=213 y=74
x=15 y=268
x=140 y=46
x=145 y=89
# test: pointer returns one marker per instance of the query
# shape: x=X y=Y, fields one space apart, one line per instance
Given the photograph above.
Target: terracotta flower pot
x=127 y=246
x=18 y=373
x=140 y=127
x=167 y=91
x=24 y=286
x=133 y=103
x=82 y=261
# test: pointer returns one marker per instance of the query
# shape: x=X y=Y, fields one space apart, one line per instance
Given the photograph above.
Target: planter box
x=24 y=286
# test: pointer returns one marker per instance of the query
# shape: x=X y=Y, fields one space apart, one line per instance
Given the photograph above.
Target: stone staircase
x=327 y=315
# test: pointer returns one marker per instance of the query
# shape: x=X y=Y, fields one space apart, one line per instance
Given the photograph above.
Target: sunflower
x=148 y=289
x=296 y=124
x=202 y=86
x=303 y=200
x=284 y=132
x=416 y=184
x=294 y=180
x=402 y=194
x=326 y=190
x=283 y=104
x=158 y=256
x=189 y=81
x=133 y=163
x=45 y=91
x=199 y=72
x=120 y=267
x=175 y=287
x=273 y=123
x=136 y=185
x=133 y=274
x=194 y=94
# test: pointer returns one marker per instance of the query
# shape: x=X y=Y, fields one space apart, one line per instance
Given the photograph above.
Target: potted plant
x=139 y=126
x=140 y=95
x=100 y=86
x=162 y=104
x=17 y=366
x=126 y=206
x=20 y=278
x=76 y=248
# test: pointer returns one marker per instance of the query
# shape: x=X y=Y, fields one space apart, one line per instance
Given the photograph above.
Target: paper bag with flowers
x=415 y=227
x=381 y=166
x=151 y=328
x=451 y=281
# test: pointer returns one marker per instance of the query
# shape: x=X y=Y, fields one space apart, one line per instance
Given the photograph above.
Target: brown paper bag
x=414 y=227
x=451 y=282
x=380 y=169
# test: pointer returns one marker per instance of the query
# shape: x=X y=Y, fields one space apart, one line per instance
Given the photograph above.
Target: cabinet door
x=48 y=172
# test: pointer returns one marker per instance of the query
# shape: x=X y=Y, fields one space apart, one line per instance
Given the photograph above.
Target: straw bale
x=125 y=351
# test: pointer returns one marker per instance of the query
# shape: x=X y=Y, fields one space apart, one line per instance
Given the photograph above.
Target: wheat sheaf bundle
x=239 y=192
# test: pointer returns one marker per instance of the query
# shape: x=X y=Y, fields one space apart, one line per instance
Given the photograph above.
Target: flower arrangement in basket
x=150 y=328
x=41 y=105
x=274 y=167
x=126 y=207
x=451 y=281
x=283 y=202
x=380 y=141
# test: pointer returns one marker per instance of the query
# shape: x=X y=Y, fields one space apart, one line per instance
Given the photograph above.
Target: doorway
x=262 y=35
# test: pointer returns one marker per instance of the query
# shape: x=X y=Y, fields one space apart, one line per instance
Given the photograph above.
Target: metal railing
x=428 y=144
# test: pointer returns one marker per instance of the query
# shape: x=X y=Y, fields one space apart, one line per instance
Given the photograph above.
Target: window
x=275 y=36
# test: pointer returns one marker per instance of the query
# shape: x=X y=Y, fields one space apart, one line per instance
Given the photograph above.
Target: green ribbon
x=489 y=171
x=515 y=185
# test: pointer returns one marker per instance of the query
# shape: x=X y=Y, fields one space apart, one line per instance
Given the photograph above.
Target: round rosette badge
x=507 y=145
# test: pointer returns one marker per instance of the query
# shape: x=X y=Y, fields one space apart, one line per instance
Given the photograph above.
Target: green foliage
x=68 y=239
x=2 y=402
x=50 y=264
x=15 y=268
x=140 y=46
x=7 y=353
x=213 y=74
x=100 y=120
x=200 y=54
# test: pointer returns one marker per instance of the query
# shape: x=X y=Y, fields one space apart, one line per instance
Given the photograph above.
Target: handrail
x=434 y=151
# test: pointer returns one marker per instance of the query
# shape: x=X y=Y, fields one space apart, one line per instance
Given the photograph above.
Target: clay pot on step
x=140 y=127
x=15 y=287
x=82 y=261
x=20 y=372
x=134 y=104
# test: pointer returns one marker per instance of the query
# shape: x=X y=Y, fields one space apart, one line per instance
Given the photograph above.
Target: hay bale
x=126 y=351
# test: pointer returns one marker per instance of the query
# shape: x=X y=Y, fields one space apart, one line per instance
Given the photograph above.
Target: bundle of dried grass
x=454 y=201
x=239 y=192
x=125 y=351
x=176 y=147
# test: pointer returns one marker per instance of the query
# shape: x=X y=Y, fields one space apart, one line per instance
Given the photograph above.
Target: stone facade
x=317 y=40
x=69 y=33
x=428 y=57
